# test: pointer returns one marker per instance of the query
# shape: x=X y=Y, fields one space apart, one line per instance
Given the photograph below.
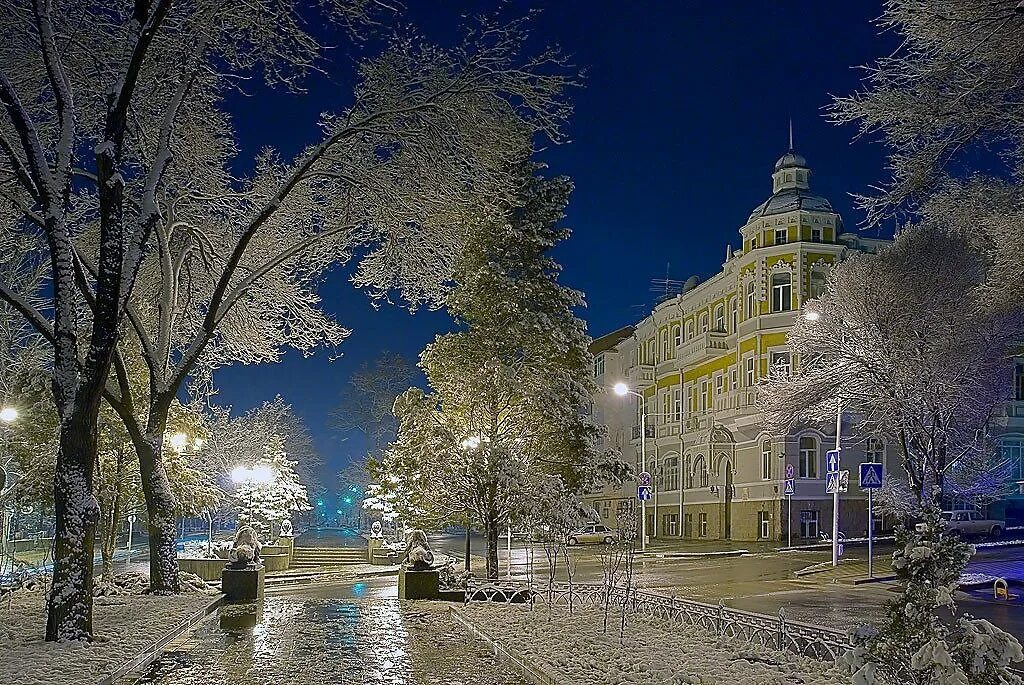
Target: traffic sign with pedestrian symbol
x=870 y=476
x=790 y=488
x=832 y=461
x=643 y=492
x=832 y=483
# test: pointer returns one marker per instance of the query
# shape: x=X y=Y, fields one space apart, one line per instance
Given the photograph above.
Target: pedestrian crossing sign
x=832 y=483
x=790 y=488
x=870 y=476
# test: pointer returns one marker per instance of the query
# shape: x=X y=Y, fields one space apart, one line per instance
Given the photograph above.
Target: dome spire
x=791 y=134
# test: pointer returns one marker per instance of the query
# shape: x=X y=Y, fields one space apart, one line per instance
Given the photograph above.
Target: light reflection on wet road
x=355 y=633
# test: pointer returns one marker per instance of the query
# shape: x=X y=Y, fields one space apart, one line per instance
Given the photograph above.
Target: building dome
x=788 y=200
x=791 y=160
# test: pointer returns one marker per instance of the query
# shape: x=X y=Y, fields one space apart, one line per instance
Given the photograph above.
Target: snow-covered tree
x=945 y=104
x=919 y=355
x=508 y=389
x=264 y=504
x=909 y=342
x=116 y=148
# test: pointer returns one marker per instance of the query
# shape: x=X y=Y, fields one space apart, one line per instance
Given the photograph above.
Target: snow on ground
x=976 y=579
x=124 y=626
x=653 y=651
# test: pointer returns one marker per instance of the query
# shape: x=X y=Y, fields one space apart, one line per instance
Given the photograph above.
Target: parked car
x=968 y=522
x=592 y=534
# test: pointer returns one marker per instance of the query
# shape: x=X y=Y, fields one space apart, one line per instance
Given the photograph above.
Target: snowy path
x=366 y=637
x=653 y=651
x=124 y=626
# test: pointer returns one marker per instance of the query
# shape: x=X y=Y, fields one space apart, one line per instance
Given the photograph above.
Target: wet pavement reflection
x=356 y=633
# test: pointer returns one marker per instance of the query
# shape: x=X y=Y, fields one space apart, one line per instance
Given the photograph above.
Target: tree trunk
x=491 y=533
x=160 y=506
x=69 y=605
x=468 y=546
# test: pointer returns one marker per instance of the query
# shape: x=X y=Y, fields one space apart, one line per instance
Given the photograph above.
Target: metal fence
x=775 y=632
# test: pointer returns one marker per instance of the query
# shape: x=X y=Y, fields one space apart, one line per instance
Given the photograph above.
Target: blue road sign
x=832 y=483
x=870 y=476
x=643 y=492
x=790 y=488
x=832 y=461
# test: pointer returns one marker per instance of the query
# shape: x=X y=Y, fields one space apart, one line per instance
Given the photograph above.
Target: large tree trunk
x=69 y=605
x=491 y=533
x=160 y=505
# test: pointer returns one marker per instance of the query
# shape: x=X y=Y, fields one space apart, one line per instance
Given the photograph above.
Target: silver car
x=592 y=534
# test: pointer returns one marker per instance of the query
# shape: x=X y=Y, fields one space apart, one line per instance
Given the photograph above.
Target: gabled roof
x=610 y=340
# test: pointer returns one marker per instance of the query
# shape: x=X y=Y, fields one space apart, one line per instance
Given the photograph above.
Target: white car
x=968 y=522
x=592 y=534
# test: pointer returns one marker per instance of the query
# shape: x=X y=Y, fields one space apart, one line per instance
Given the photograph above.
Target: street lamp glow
x=241 y=474
x=178 y=442
x=262 y=474
x=621 y=389
x=471 y=443
x=8 y=414
x=811 y=315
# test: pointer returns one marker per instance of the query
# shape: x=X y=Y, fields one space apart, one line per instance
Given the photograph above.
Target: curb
x=535 y=674
x=695 y=555
x=876 y=579
x=155 y=650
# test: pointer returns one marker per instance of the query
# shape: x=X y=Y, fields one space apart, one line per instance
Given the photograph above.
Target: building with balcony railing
x=697 y=359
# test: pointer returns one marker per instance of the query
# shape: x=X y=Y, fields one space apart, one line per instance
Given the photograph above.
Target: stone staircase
x=319 y=557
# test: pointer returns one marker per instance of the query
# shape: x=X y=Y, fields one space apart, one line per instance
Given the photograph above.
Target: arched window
x=700 y=472
x=808 y=457
x=689 y=329
x=677 y=332
x=703 y=322
x=672 y=473
x=782 y=292
x=766 y=460
x=817 y=284
x=720 y=318
x=733 y=315
x=751 y=301
x=687 y=474
x=875 y=451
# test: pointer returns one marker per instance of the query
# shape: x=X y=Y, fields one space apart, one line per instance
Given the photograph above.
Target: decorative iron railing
x=775 y=632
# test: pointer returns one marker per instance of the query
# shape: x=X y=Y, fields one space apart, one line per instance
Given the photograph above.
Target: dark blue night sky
x=685 y=110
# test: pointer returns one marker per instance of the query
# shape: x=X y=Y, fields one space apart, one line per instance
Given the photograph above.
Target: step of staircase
x=311 y=557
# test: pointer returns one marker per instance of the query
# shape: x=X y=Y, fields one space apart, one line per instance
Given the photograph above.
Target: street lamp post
x=621 y=389
x=812 y=315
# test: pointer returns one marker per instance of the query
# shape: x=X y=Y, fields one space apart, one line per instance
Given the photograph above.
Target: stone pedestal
x=287 y=541
x=242 y=584
x=418 y=584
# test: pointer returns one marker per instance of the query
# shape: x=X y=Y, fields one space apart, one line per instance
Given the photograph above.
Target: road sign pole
x=835 y=495
x=871 y=531
x=789 y=521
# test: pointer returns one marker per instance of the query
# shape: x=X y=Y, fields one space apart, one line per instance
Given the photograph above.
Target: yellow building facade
x=697 y=359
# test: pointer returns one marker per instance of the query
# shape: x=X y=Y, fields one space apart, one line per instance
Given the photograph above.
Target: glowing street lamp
x=8 y=414
x=621 y=389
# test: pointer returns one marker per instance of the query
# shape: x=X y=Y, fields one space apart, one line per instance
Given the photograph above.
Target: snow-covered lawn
x=124 y=625
x=653 y=651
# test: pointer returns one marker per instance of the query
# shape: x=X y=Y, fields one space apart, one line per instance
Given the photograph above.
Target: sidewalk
x=672 y=547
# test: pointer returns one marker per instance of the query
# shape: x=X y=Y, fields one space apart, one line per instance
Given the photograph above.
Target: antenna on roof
x=791 y=134
x=666 y=288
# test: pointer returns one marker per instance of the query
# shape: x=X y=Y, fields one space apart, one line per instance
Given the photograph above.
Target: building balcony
x=704 y=346
x=640 y=376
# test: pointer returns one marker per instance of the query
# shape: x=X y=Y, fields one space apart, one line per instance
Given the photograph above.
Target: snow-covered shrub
x=918 y=644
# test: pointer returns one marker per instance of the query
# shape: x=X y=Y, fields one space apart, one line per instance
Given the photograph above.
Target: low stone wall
x=207 y=569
